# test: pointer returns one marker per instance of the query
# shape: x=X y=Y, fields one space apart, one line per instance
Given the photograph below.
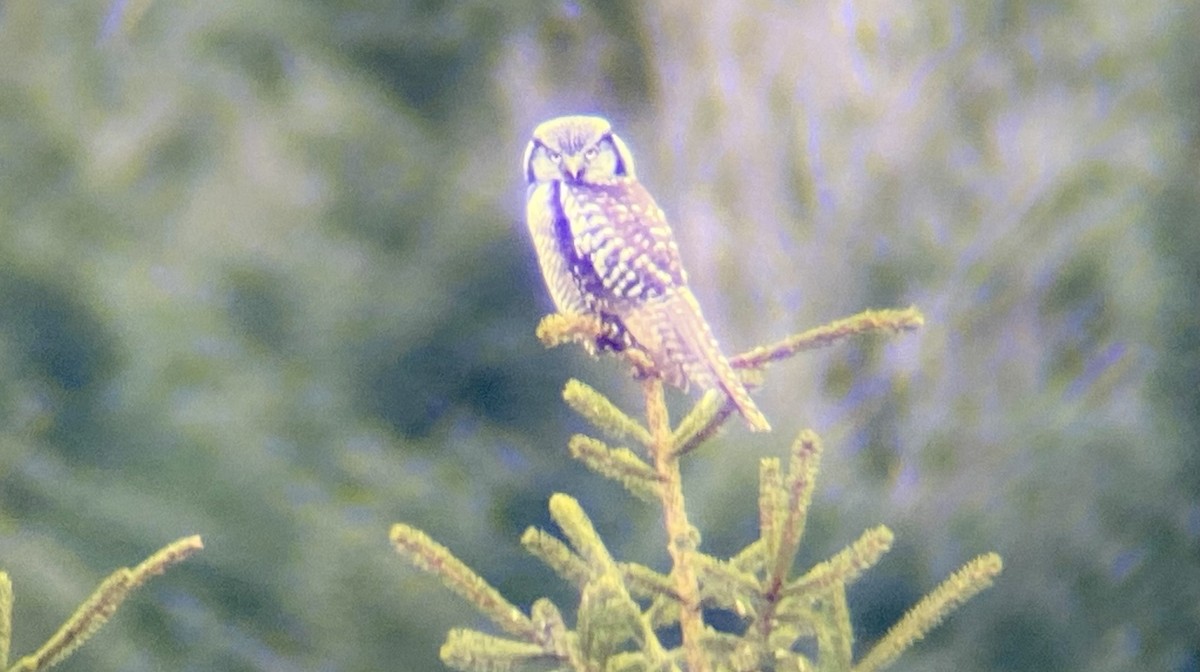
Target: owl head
x=576 y=149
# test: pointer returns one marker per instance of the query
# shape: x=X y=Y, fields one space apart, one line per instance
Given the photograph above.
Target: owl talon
x=643 y=366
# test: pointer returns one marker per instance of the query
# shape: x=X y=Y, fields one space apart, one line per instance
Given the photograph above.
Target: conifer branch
x=430 y=556
x=6 y=599
x=607 y=614
x=556 y=555
x=783 y=510
x=619 y=464
x=893 y=320
x=553 y=633
x=641 y=581
x=727 y=586
x=929 y=612
x=770 y=507
x=559 y=329
x=663 y=611
x=702 y=421
x=644 y=582
x=846 y=566
x=603 y=414
x=612 y=631
x=802 y=470
x=171 y=554
x=87 y=619
x=682 y=538
x=750 y=558
x=577 y=527
x=99 y=607
x=609 y=620
x=835 y=641
x=474 y=650
x=708 y=430
x=628 y=661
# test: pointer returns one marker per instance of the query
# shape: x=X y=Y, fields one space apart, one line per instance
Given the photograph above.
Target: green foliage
x=93 y=613
x=624 y=606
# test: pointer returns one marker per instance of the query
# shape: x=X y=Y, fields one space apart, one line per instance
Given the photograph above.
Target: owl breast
x=624 y=246
x=559 y=262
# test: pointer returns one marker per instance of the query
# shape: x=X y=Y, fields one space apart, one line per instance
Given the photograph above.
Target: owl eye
x=591 y=153
x=555 y=157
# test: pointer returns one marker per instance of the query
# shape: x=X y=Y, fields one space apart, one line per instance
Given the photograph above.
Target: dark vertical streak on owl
x=584 y=274
x=583 y=271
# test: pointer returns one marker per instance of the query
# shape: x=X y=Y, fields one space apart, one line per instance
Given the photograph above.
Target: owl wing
x=631 y=263
x=623 y=242
x=627 y=264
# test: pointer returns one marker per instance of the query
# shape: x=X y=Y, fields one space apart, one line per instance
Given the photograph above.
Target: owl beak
x=573 y=167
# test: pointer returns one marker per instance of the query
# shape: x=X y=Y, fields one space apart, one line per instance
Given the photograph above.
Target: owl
x=606 y=250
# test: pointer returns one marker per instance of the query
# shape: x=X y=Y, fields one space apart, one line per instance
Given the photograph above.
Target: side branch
x=893 y=320
x=100 y=606
x=964 y=584
x=430 y=556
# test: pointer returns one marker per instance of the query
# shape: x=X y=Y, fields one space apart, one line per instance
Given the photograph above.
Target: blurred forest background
x=264 y=277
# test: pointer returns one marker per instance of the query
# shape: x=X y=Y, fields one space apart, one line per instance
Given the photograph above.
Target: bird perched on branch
x=606 y=250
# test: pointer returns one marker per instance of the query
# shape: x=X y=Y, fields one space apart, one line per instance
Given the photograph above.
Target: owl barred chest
x=606 y=250
x=621 y=251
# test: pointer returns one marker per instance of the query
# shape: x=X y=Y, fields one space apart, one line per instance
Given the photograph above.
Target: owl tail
x=675 y=334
